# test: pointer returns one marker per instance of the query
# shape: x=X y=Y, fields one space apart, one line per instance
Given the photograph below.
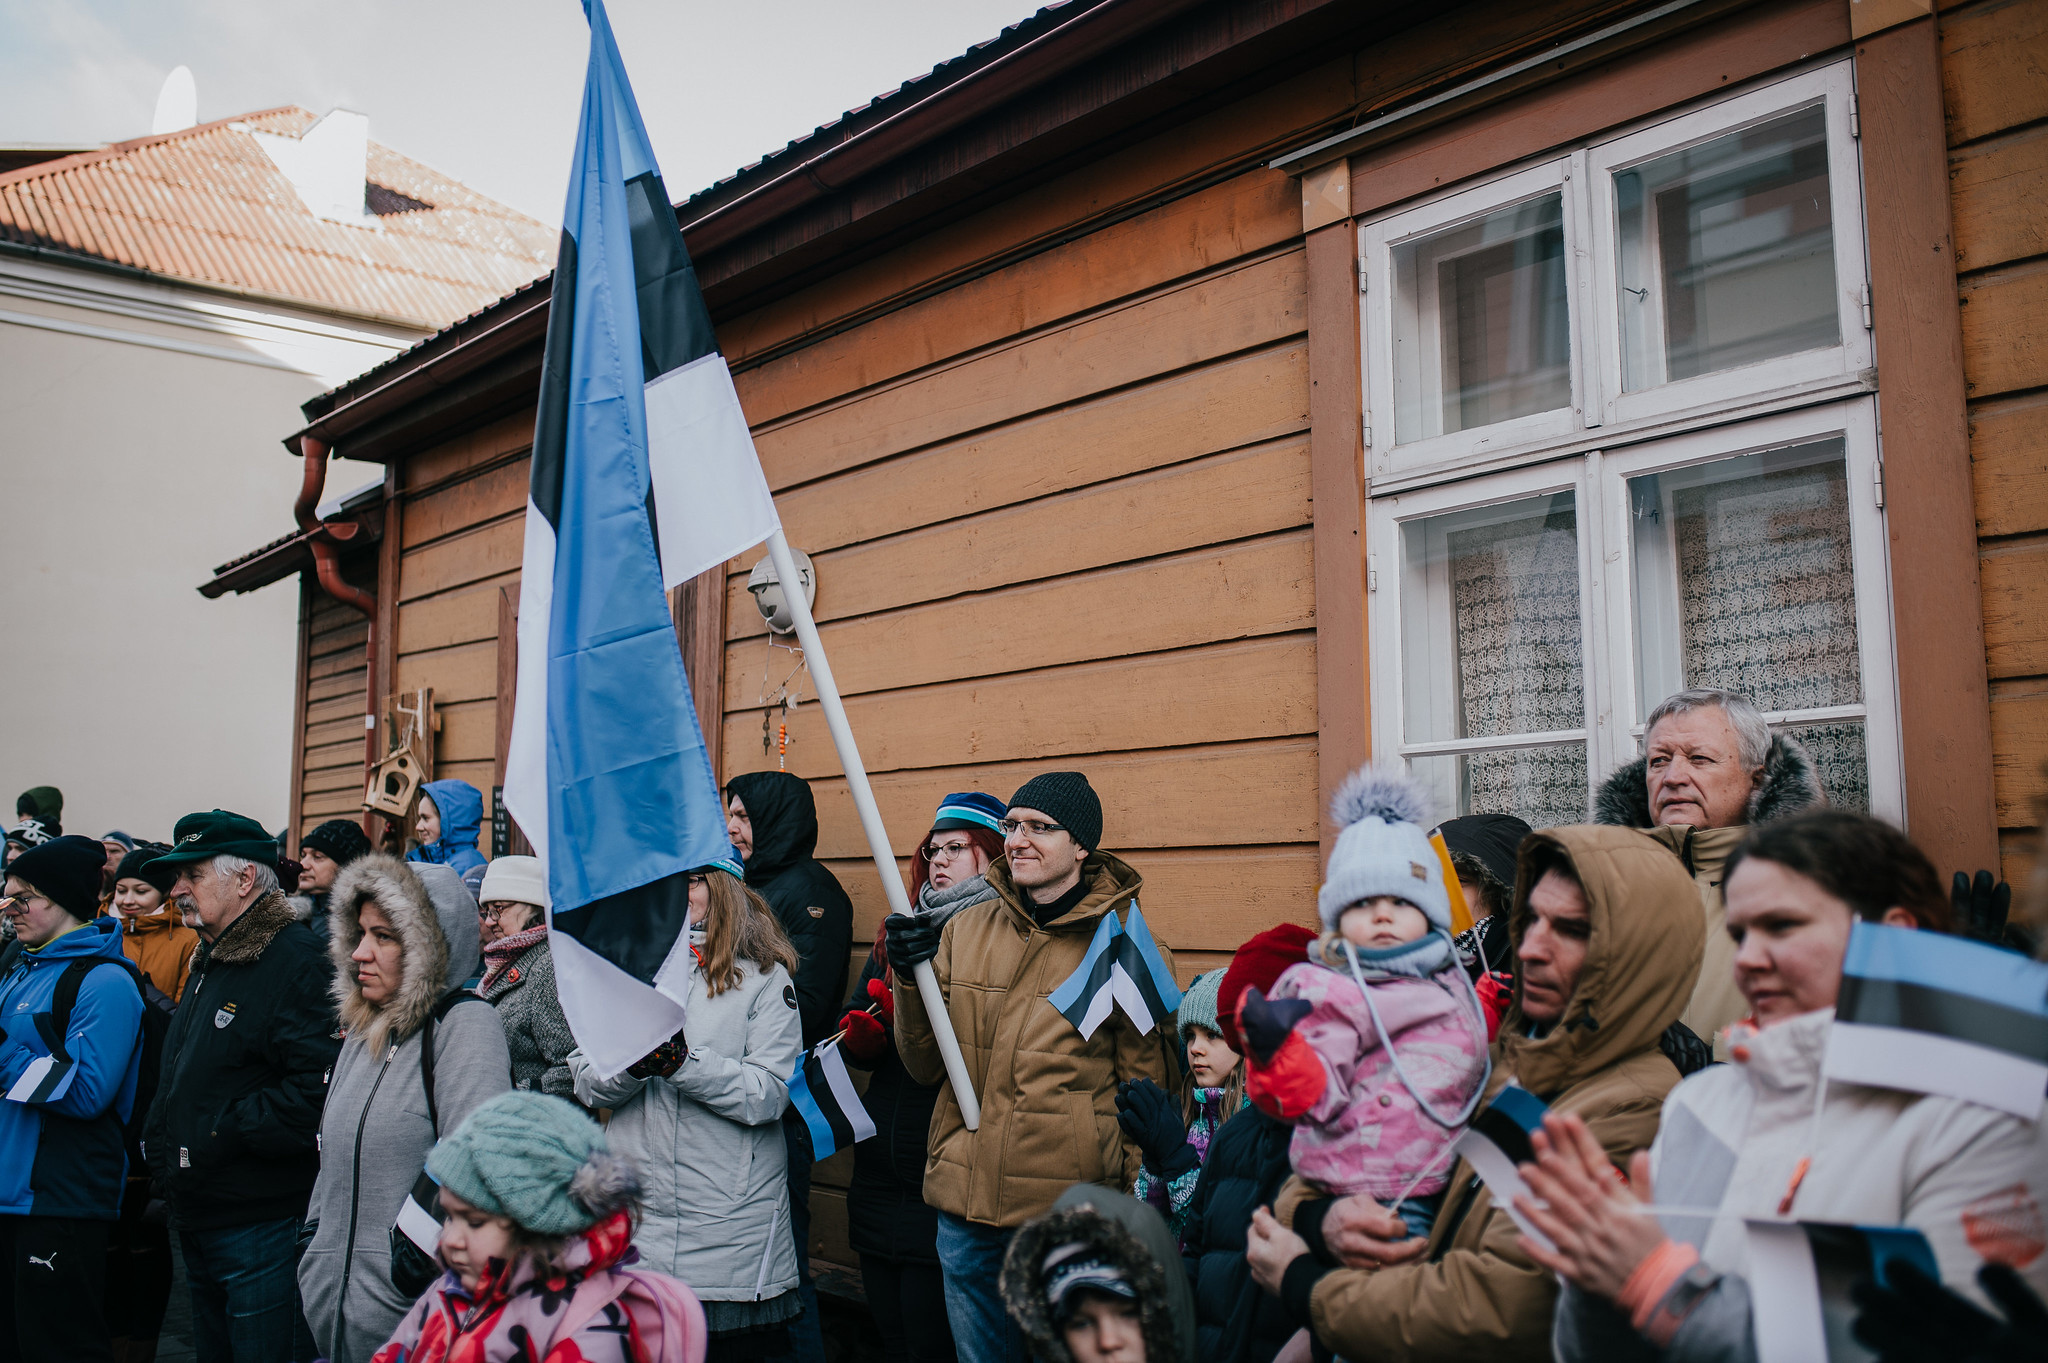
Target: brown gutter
x=322 y=539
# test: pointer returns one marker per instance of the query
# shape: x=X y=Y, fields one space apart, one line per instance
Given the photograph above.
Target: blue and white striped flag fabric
x=1497 y=1141
x=823 y=1094
x=1930 y=1013
x=643 y=475
x=1122 y=968
x=1800 y=1274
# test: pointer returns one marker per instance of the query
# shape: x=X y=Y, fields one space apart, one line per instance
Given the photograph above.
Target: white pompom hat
x=519 y=880
x=1384 y=848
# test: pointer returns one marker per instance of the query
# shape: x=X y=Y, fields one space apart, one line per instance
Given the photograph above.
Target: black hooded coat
x=808 y=900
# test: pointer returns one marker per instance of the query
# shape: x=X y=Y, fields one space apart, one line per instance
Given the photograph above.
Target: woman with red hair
x=888 y=1223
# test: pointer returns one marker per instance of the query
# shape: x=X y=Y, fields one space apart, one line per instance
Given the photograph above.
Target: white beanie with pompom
x=1384 y=848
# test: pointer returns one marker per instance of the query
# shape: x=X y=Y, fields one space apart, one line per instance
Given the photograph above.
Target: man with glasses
x=1048 y=1096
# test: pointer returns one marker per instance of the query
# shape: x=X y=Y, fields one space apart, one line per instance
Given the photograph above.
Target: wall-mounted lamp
x=766 y=586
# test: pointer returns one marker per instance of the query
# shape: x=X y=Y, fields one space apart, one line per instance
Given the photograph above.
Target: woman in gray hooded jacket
x=401 y=937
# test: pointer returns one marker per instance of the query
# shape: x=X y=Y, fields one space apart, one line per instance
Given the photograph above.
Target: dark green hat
x=217 y=833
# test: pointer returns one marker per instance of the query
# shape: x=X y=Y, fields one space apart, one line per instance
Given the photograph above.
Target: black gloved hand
x=1152 y=1121
x=1266 y=1022
x=1981 y=906
x=912 y=940
x=1684 y=1049
x=1917 y=1318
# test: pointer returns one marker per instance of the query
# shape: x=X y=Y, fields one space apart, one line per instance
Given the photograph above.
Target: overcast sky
x=485 y=90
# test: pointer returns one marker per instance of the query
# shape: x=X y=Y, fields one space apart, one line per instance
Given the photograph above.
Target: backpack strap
x=441 y=1009
x=66 y=998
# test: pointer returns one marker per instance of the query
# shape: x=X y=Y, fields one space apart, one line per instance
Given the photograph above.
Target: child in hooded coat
x=1174 y=1138
x=1376 y=1046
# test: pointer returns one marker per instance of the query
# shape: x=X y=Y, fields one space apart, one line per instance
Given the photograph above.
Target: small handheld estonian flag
x=643 y=475
x=822 y=1092
x=1930 y=1013
x=1800 y=1273
x=1122 y=968
x=1498 y=1141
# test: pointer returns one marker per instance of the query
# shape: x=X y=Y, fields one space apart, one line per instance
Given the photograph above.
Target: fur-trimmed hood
x=436 y=922
x=1130 y=1235
x=1790 y=785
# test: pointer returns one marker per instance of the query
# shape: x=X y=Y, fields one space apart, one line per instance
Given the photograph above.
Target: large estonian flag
x=1931 y=1013
x=644 y=475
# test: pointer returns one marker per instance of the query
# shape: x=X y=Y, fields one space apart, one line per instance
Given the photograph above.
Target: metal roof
x=208 y=205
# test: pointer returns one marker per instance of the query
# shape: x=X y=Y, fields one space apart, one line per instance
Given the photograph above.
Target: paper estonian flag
x=1086 y=997
x=1122 y=968
x=643 y=475
x=1931 y=1013
x=822 y=1092
x=1799 y=1278
x=1141 y=964
x=1497 y=1141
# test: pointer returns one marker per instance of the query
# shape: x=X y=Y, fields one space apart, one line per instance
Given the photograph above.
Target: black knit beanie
x=1069 y=799
x=136 y=866
x=67 y=870
x=339 y=840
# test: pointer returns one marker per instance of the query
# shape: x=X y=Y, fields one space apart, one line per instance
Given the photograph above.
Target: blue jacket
x=462 y=818
x=65 y=1157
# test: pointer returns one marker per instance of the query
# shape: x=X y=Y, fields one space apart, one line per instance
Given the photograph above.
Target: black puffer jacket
x=807 y=900
x=1235 y=1322
x=886 y=1213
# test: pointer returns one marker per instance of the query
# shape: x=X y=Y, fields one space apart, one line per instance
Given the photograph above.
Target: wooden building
x=1210 y=395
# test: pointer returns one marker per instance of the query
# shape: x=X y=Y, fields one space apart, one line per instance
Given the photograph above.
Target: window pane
x=1480 y=328
x=1490 y=621
x=1727 y=252
x=1837 y=753
x=1543 y=787
x=1743 y=580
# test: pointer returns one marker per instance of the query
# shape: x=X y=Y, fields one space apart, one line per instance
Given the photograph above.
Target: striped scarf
x=499 y=955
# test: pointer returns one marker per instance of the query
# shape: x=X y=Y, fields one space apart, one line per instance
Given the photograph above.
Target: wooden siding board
x=466 y=672
x=494 y=440
x=1260 y=587
x=485 y=551
x=469 y=731
x=2005 y=329
x=2019 y=727
x=459 y=617
x=1998 y=189
x=1260 y=689
x=1233 y=402
x=2009 y=457
x=1189 y=235
x=496 y=492
x=1992 y=60
x=1237 y=309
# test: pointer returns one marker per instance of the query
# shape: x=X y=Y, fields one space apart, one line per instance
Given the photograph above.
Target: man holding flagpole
x=1048 y=1091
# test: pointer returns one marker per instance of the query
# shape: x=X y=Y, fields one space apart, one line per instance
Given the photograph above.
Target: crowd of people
x=343 y=1081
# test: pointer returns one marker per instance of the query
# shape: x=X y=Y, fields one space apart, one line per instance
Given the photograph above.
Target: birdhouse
x=393 y=784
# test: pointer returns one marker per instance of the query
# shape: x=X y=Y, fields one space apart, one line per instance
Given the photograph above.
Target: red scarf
x=499 y=955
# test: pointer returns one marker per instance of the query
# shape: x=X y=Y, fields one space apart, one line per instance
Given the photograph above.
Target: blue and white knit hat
x=969 y=809
x=1384 y=848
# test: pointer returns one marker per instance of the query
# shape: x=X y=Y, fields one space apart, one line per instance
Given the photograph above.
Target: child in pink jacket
x=1375 y=1047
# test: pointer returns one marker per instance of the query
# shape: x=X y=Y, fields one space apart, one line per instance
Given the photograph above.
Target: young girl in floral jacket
x=537 y=1245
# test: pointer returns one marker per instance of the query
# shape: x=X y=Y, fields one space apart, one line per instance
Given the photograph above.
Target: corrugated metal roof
x=209 y=205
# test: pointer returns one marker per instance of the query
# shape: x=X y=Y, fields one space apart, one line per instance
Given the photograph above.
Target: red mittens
x=882 y=994
x=1289 y=1084
x=865 y=1039
x=1496 y=991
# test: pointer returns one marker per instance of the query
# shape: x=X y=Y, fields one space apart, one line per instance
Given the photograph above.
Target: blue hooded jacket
x=65 y=1157
x=462 y=818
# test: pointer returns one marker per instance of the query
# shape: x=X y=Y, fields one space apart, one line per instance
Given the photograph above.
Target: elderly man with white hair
x=1710 y=768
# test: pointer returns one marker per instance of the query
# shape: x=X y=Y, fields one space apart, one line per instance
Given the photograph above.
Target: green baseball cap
x=217 y=833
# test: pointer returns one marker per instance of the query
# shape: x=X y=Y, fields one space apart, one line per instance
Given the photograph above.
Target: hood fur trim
x=1022 y=1283
x=390 y=884
x=1790 y=786
x=248 y=936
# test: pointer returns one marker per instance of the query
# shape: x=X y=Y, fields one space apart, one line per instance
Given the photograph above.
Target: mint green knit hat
x=1198 y=1004
x=539 y=1161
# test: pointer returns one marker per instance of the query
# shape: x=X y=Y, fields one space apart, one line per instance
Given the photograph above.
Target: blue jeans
x=971 y=1257
x=1419 y=1213
x=245 y=1293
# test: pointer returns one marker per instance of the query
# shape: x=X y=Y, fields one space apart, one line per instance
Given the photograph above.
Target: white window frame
x=1855 y=422
x=1377 y=243
x=1785 y=376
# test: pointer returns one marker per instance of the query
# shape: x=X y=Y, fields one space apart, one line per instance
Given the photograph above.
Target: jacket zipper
x=355 y=1197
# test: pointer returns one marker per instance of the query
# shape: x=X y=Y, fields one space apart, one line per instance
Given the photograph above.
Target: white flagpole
x=871 y=818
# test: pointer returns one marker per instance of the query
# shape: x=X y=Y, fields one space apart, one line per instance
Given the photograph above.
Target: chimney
x=328 y=165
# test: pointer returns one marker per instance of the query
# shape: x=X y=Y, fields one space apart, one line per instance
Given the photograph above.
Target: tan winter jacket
x=1716 y=1003
x=1048 y=1098
x=1476 y=1294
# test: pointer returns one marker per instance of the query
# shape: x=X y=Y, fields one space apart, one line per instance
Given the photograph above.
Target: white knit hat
x=1384 y=848
x=519 y=880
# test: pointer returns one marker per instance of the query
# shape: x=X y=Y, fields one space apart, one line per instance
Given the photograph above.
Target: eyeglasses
x=1032 y=828
x=490 y=912
x=944 y=851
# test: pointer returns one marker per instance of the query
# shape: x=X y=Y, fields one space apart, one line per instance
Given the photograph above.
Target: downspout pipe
x=326 y=540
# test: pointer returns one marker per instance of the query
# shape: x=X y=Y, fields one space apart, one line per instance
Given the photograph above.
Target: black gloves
x=1684 y=1049
x=1916 y=1318
x=1266 y=1022
x=1152 y=1120
x=912 y=940
x=1981 y=906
